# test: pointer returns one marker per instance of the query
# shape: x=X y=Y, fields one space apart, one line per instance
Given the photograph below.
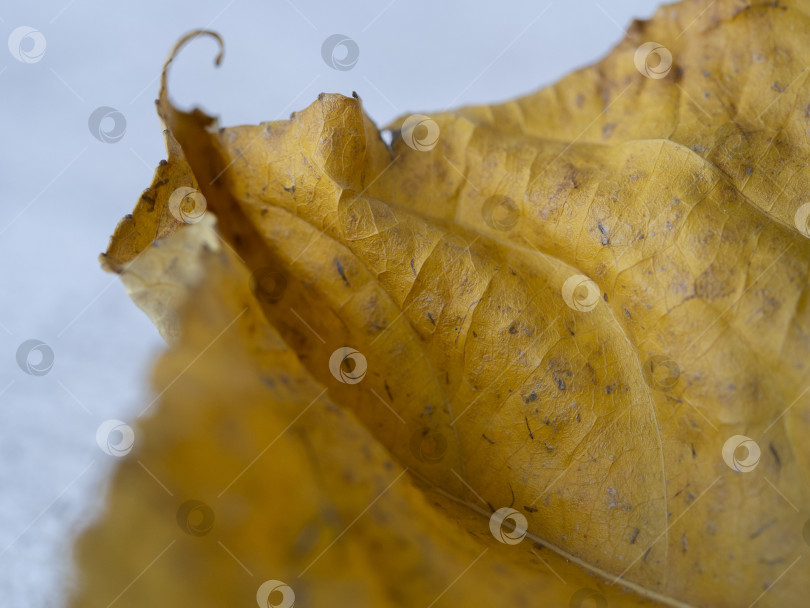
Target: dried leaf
x=588 y=306
x=267 y=456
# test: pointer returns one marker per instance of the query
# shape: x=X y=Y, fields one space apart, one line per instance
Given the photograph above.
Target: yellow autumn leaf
x=250 y=472
x=550 y=352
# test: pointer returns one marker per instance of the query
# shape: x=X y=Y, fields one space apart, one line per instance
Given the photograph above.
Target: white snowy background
x=62 y=191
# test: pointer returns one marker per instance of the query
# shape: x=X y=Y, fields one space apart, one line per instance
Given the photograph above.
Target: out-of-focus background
x=74 y=351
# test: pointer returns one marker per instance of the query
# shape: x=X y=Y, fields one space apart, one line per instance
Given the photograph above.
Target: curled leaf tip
x=163 y=97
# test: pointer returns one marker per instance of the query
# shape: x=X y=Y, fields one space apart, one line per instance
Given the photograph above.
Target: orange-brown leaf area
x=551 y=352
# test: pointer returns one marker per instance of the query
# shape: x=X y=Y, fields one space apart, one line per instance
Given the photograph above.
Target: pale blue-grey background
x=62 y=191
